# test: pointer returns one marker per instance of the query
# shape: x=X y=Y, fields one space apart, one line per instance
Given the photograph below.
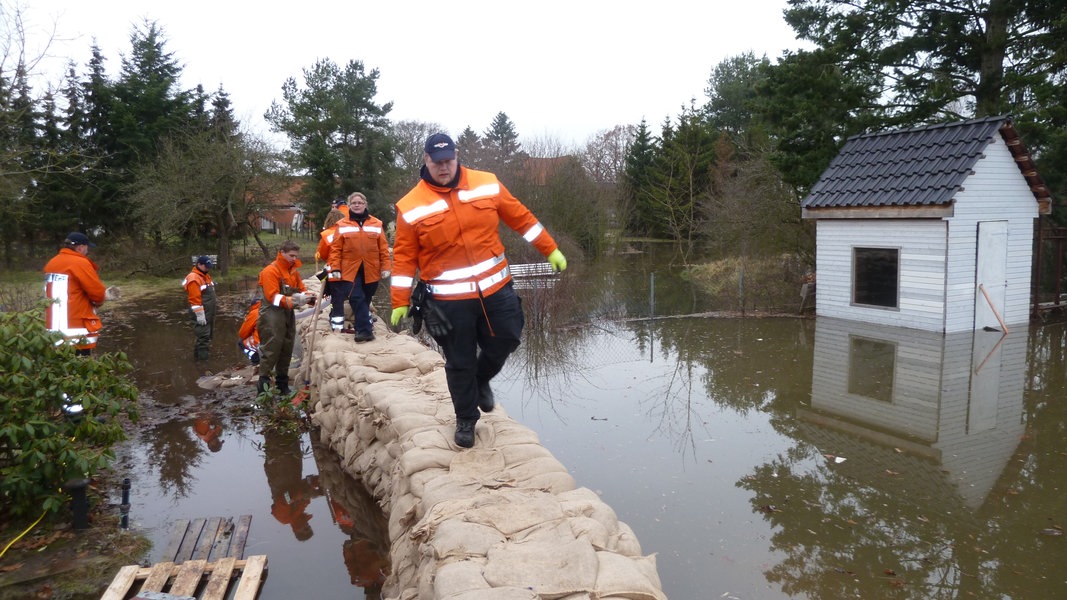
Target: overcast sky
x=561 y=69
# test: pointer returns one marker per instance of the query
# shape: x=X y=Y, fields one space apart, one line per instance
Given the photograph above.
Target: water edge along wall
x=501 y=521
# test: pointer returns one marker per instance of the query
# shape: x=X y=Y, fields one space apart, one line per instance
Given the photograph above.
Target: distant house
x=282 y=212
x=930 y=228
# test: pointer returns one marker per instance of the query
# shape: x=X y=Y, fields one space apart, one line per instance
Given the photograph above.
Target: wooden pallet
x=188 y=579
x=207 y=539
x=203 y=556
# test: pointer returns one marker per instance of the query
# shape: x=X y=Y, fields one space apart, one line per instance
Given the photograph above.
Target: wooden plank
x=121 y=584
x=188 y=578
x=157 y=577
x=192 y=535
x=240 y=537
x=220 y=546
x=250 y=577
x=219 y=583
x=207 y=539
x=176 y=536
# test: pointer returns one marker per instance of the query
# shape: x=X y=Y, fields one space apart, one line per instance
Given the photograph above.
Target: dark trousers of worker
x=479 y=344
x=203 y=333
x=359 y=295
x=277 y=334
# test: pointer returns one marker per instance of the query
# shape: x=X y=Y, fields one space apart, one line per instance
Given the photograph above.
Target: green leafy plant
x=276 y=411
x=44 y=440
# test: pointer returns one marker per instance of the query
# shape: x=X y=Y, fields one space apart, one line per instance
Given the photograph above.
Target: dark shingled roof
x=922 y=166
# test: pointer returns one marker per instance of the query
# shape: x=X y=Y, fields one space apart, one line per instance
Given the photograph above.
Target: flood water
x=757 y=458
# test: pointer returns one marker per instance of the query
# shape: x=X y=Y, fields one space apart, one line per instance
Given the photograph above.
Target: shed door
x=991 y=273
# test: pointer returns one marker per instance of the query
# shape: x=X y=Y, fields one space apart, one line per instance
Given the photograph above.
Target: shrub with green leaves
x=42 y=445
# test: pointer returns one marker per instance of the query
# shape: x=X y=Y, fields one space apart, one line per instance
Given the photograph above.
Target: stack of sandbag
x=500 y=521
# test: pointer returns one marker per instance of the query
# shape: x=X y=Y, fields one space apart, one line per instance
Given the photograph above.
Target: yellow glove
x=398 y=313
x=557 y=260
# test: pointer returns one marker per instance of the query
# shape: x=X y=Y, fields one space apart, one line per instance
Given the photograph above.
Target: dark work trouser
x=277 y=333
x=359 y=295
x=476 y=350
x=204 y=333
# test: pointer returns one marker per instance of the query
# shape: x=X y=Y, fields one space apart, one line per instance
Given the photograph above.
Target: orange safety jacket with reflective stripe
x=248 y=334
x=195 y=283
x=73 y=284
x=322 y=252
x=356 y=245
x=278 y=281
x=450 y=237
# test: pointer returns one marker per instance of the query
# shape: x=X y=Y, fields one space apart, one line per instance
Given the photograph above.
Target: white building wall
x=938 y=258
x=922 y=245
x=995 y=192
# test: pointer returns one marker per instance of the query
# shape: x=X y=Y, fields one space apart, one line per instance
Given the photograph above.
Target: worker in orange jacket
x=359 y=259
x=341 y=204
x=248 y=335
x=200 y=291
x=447 y=232
x=326 y=237
x=72 y=283
x=281 y=290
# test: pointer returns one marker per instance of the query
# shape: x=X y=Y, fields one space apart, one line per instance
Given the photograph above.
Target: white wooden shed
x=929 y=228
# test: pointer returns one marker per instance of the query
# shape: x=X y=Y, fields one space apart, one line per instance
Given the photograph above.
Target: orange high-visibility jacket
x=450 y=237
x=356 y=245
x=325 y=239
x=73 y=284
x=195 y=283
x=278 y=281
x=248 y=334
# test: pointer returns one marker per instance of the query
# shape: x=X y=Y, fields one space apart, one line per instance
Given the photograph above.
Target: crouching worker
x=281 y=290
x=248 y=335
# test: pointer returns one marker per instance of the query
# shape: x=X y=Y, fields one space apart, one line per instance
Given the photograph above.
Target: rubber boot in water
x=263 y=385
x=283 y=386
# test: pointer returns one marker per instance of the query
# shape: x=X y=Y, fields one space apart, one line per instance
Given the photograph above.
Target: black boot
x=263 y=385
x=465 y=432
x=283 y=385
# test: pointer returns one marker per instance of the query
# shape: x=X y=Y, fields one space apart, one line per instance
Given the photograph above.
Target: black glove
x=437 y=324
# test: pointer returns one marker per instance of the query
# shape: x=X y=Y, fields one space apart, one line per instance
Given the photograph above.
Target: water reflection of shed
x=929 y=228
x=954 y=399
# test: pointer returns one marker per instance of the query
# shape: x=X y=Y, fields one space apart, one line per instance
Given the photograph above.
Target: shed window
x=876 y=276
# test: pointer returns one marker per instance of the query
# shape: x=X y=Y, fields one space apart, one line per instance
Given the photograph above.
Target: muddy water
x=758 y=458
x=201 y=453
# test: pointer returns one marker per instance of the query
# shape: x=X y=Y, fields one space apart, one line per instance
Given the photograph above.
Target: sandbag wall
x=501 y=521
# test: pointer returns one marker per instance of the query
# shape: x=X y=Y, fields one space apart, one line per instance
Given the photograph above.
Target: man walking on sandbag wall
x=446 y=231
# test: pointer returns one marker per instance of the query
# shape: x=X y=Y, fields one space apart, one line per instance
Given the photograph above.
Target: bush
x=42 y=446
x=743 y=284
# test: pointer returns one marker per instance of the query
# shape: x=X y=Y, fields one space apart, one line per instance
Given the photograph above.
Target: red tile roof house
x=282 y=211
x=929 y=228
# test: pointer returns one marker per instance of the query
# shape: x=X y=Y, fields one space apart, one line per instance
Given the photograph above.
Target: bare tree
x=604 y=156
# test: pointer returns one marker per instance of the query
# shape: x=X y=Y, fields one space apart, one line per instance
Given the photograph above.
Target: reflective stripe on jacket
x=73 y=284
x=278 y=281
x=195 y=283
x=450 y=237
x=356 y=245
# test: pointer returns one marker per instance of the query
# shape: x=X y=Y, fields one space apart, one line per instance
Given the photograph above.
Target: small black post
x=124 y=508
x=79 y=504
